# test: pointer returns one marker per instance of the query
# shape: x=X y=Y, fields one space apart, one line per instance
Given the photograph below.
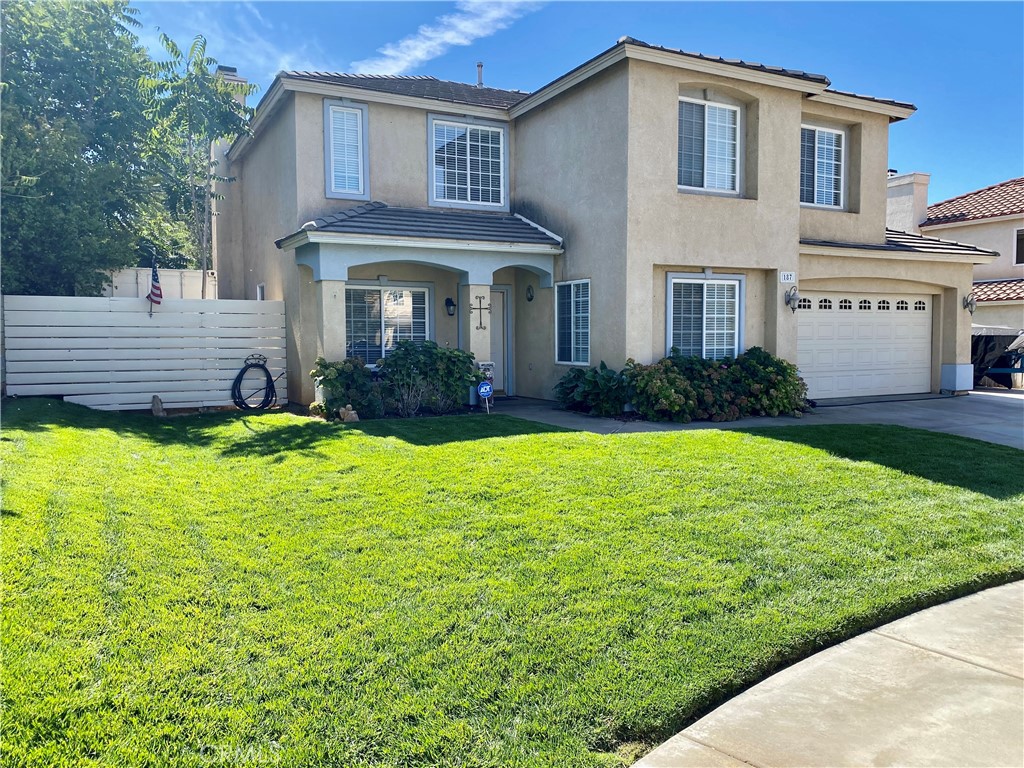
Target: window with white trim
x=468 y=163
x=704 y=317
x=345 y=150
x=572 y=322
x=376 y=319
x=821 y=166
x=1018 y=256
x=708 y=146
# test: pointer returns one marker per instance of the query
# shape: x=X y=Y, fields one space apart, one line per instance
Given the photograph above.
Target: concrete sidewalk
x=942 y=687
x=996 y=417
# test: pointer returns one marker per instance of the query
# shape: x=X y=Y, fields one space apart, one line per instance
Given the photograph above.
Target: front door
x=499 y=352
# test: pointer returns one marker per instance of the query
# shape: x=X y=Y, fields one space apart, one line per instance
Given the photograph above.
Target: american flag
x=155 y=295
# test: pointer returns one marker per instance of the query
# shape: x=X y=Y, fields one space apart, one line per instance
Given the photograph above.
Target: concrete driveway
x=995 y=417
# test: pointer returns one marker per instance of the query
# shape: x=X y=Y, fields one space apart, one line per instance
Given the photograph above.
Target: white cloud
x=237 y=35
x=474 y=19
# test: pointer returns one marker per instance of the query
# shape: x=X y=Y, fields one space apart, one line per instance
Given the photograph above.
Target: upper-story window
x=708 y=146
x=821 y=166
x=468 y=163
x=1018 y=254
x=345 y=150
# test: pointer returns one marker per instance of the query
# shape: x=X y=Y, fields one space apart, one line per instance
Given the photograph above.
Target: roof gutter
x=894 y=111
x=962 y=257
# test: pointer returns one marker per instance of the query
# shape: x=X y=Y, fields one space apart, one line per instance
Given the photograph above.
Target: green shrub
x=774 y=386
x=659 y=392
x=449 y=378
x=600 y=391
x=681 y=389
x=348 y=382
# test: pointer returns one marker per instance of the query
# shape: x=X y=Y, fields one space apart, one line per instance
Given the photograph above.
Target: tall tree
x=73 y=125
x=192 y=107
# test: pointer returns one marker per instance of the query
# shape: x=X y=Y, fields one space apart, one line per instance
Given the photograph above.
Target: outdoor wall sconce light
x=529 y=293
x=449 y=306
x=970 y=302
x=792 y=297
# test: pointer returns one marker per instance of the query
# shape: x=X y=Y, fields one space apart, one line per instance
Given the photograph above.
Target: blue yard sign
x=485 y=389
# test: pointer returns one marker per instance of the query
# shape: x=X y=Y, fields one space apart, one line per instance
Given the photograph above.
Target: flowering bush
x=681 y=389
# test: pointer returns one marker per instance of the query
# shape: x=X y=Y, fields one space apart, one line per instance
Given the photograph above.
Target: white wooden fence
x=108 y=353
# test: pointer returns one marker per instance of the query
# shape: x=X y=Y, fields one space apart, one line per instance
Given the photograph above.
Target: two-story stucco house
x=648 y=199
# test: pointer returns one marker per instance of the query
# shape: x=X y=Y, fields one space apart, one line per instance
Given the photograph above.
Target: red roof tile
x=1003 y=199
x=999 y=290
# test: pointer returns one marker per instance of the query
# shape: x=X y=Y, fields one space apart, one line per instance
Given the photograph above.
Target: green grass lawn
x=462 y=591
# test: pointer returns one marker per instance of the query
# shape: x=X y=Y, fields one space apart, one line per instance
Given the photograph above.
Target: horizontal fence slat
x=138 y=332
x=126 y=376
x=16 y=319
x=74 y=367
x=140 y=353
x=118 y=304
x=132 y=342
x=110 y=353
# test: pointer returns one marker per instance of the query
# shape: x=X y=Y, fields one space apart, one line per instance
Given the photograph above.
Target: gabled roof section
x=898 y=243
x=1004 y=199
x=416 y=86
x=377 y=219
x=999 y=290
x=797 y=73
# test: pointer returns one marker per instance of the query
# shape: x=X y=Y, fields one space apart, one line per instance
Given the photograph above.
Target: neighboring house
x=991 y=218
x=648 y=199
x=135 y=282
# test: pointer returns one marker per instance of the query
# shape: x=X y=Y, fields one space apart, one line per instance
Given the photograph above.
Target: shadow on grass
x=993 y=470
x=427 y=431
x=264 y=435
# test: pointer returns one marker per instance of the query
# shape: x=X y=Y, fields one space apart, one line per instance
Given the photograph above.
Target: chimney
x=906 y=203
x=479 y=74
x=230 y=75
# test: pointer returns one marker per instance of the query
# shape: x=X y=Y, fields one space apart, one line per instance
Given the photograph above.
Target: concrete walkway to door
x=996 y=417
x=942 y=687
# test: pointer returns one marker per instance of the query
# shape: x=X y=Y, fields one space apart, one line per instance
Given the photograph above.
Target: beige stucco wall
x=1008 y=315
x=999 y=236
x=670 y=230
x=570 y=173
x=397 y=149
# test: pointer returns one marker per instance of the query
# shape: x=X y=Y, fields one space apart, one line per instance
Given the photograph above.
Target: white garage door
x=851 y=345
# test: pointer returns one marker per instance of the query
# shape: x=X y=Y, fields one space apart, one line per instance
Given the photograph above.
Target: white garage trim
x=861 y=344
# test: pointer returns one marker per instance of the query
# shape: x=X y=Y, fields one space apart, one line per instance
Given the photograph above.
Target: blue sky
x=960 y=63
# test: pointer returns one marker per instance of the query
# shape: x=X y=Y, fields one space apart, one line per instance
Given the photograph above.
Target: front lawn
x=471 y=591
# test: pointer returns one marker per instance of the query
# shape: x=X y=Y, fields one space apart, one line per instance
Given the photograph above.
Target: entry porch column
x=330 y=331
x=475 y=320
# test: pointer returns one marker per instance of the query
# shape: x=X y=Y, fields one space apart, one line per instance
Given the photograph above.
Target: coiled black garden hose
x=243 y=400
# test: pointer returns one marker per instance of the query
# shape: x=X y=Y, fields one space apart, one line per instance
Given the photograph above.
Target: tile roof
x=908 y=242
x=418 y=86
x=999 y=290
x=380 y=219
x=732 y=62
x=1005 y=199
